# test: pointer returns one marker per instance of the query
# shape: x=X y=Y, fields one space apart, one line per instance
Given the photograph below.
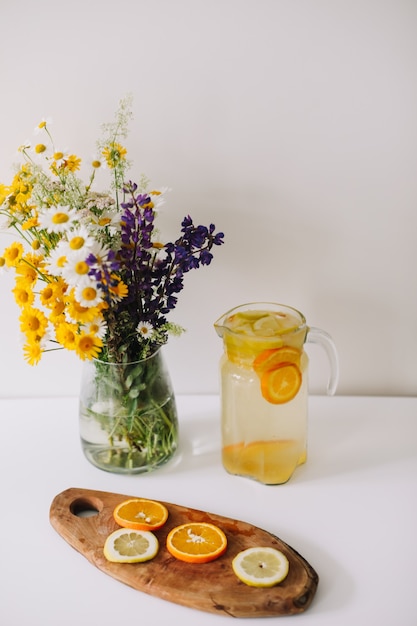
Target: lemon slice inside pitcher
x=247 y=333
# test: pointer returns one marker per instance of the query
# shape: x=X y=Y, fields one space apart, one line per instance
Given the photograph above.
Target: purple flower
x=205 y=257
x=154 y=280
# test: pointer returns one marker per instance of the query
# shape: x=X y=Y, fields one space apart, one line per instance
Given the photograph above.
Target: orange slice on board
x=272 y=357
x=281 y=384
x=196 y=542
x=140 y=514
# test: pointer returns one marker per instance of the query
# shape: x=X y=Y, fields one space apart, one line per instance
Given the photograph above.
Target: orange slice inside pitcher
x=281 y=384
x=272 y=357
x=279 y=372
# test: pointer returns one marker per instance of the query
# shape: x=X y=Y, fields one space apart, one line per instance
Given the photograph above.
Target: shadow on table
x=200 y=447
x=357 y=443
x=338 y=444
x=336 y=587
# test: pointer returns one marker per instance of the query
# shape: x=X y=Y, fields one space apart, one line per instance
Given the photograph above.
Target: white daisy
x=145 y=330
x=26 y=145
x=76 y=268
x=57 y=219
x=158 y=197
x=87 y=293
x=98 y=327
x=101 y=253
x=57 y=260
x=42 y=125
x=108 y=218
x=79 y=239
x=97 y=161
x=39 y=151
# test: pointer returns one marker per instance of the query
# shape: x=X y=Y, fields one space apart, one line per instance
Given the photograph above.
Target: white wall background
x=291 y=124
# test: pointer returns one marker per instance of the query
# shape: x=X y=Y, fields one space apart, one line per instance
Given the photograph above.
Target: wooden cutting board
x=211 y=587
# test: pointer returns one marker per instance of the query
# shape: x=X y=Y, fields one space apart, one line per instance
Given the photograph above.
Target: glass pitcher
x=264 y=389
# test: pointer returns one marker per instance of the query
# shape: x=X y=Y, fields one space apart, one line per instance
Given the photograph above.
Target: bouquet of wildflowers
x=93 y=276
x=91 y=273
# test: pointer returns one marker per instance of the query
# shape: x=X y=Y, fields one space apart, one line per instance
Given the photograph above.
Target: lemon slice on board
x=260 y=567
x=130 y=546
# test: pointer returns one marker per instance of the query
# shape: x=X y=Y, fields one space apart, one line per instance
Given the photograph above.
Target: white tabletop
x=351 y=511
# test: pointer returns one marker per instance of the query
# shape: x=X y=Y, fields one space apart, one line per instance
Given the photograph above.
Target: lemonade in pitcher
x=264 y=391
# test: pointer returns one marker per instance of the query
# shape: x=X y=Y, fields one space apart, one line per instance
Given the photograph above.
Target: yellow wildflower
x=71 y=163
x=32 y=352
x=23 y=294
x=59 y=287
x=114 y=153
x=57 y=308
x=79 y=313
x=47 y=295
x=13 y=254
x=33 y=322
x=31 y=222
x=66 y=334
x=35 y=260
x=4 y=192
x=88 y=346
x=119 y=291
x=26 y=273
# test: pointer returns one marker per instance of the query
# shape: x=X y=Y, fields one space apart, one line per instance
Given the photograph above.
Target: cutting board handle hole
x=83 y=507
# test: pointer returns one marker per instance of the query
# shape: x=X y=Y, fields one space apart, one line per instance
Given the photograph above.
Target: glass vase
x=128 y=415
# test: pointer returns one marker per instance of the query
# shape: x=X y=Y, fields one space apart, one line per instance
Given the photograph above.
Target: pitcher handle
x=320 y=337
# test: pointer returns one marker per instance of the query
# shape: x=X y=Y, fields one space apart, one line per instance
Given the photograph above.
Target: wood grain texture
x=211 y=587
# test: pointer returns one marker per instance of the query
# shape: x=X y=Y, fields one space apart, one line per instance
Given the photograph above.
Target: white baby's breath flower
x=57 y=219
x=99 y=201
